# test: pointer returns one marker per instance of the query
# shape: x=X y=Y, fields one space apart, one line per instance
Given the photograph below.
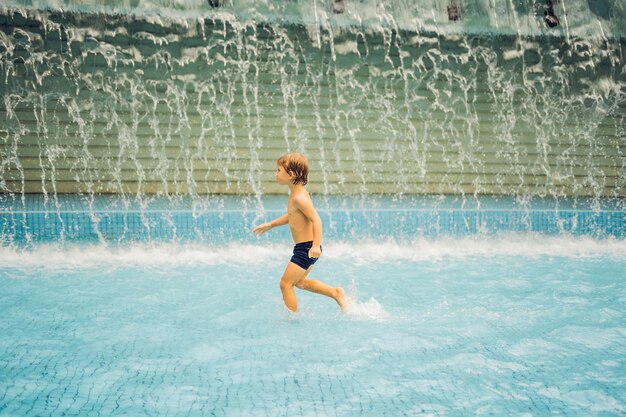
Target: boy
x=306 y=229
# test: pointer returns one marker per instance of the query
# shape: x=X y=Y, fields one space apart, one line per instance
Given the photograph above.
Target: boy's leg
x=316 y=286
x=296 y=276
x=319 y=287
x=292 y=275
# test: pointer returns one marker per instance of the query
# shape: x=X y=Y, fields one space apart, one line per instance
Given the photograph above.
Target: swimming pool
x=493 y=323
x=137 y=150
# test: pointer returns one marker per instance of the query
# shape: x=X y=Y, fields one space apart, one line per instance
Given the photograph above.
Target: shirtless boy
x=306 y=230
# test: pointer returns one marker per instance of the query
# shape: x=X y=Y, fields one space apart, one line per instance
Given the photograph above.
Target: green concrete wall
x=122 y=104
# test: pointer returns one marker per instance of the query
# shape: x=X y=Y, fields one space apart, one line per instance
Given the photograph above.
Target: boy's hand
x=315 y=252
x=262 y=228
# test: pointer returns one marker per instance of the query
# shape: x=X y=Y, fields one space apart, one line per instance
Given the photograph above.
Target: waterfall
x=179 y=100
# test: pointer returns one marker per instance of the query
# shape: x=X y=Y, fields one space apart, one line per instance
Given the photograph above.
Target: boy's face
x=282 y=177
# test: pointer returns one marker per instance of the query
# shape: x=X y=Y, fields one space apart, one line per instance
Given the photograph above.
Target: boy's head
x=297 y=165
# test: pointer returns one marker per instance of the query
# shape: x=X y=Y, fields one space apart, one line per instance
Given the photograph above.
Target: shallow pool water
x=449 y=327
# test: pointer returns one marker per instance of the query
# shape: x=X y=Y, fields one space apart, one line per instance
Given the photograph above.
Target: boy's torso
x=301 y=227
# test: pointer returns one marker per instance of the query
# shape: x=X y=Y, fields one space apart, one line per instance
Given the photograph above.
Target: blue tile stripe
x=224 y=226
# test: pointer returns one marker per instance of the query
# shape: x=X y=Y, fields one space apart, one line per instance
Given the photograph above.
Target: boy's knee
x=302 y=284
x=284 y=284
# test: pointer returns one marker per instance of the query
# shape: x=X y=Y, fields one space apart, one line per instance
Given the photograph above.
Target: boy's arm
x=262 y=228
x=305 y=205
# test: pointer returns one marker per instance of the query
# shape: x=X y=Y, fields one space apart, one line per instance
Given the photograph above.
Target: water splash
x=370 y=310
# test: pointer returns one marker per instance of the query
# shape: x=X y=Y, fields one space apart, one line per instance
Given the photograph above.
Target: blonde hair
x=297 y=165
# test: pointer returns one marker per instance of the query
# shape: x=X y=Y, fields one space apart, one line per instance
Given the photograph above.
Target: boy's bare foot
x=341 y=298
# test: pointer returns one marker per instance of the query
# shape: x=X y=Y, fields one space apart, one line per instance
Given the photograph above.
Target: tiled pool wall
x=173 y=222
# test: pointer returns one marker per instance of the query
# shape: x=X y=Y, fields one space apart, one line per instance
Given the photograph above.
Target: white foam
x=163 y=255
x=370 y=310
x=172 y=255
x=471 y=247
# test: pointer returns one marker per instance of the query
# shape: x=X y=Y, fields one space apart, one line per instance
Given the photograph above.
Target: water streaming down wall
x=179 y=99
x=96 y=101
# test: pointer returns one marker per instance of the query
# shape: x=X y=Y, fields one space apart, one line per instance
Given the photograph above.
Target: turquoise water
x=136 y=305
x=525 y=324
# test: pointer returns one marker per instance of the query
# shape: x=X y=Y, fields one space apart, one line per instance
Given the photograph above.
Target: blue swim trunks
x=301 y=255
